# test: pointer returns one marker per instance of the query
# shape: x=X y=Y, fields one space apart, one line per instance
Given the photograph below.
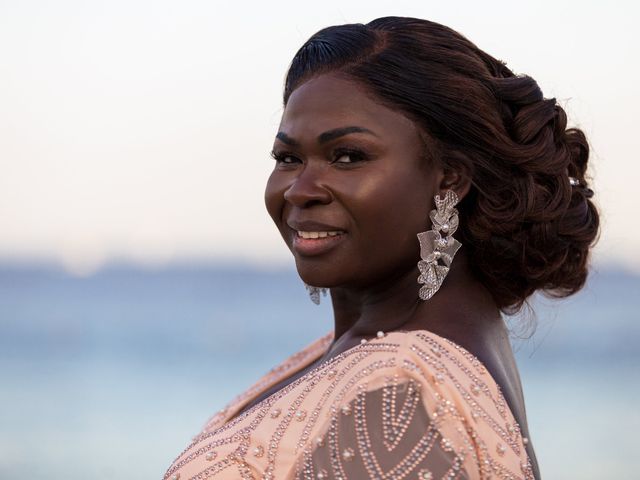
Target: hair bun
x=544 y=243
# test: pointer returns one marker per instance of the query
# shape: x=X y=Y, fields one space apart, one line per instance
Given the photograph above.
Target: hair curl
x=524 y=226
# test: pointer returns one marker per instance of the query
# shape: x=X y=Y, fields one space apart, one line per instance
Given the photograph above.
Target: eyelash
x=356 y=156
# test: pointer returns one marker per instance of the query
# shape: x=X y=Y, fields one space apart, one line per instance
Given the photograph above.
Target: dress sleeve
x=409 y=421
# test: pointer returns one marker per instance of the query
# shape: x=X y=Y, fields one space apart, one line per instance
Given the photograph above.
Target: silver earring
x=314 y=293
x=437 y=246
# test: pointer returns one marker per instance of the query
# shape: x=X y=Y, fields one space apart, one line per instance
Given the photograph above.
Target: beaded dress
x=410 y=405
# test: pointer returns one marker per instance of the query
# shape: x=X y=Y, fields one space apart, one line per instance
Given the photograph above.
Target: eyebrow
x=326 y=136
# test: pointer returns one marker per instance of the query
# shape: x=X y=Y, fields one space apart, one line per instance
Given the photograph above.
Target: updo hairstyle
x=524 y=226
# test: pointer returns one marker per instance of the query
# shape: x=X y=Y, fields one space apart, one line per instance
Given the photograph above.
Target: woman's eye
x=348 y=157
x=344 y=158
x=283 y=158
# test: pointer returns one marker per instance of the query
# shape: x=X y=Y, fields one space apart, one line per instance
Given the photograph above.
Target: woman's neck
x=394 y=305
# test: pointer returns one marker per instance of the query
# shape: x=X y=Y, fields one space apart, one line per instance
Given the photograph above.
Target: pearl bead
x=425 y=474
x=301 y=415
x=275 y=413
x=348 y=454
x=363 y=341
x=346 y=410
x=210 y=456
x=258 y=451
x=380 y=334
x=175 y=476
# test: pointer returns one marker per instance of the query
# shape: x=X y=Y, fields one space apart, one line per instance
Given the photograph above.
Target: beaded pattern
x=406 y=405
x=394 y=427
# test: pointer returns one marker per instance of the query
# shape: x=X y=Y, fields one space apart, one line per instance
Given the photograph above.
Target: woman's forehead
x=332 y=101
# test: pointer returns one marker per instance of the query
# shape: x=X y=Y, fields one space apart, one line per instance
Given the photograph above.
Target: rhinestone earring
x=314 y=293
x=437 y=246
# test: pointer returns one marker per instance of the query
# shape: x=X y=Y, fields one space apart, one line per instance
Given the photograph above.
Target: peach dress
x=409 y=405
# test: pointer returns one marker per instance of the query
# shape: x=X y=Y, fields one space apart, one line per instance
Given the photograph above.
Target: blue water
x=108 y=377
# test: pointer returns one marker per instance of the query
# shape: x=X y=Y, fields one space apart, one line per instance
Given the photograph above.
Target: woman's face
x=351 y=172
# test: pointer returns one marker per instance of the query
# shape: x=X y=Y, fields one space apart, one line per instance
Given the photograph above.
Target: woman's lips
x=315 y=246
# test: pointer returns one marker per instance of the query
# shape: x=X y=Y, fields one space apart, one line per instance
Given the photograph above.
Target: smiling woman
x=396 y=136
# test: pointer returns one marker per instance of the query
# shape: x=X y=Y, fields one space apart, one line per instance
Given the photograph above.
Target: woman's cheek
x=274 y=197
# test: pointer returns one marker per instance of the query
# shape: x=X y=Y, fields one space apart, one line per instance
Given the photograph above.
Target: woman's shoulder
x=442 y=364
x=415 y=395
x=436 y=363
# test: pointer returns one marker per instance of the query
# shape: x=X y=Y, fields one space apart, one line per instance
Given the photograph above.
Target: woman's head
x=349 y=166
x=523 y=226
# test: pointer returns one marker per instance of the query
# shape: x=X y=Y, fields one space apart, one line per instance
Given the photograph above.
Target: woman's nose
x=308 y=188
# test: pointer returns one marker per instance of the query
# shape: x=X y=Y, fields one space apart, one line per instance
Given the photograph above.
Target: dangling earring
x=438 y=249
x=314 y=293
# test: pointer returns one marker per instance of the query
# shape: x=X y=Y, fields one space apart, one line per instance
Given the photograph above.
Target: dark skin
x=374 y=184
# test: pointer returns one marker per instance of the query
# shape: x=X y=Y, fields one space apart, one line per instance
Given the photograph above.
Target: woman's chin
x=316 y=275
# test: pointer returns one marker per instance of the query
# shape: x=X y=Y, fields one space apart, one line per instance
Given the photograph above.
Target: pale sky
x=140 y=130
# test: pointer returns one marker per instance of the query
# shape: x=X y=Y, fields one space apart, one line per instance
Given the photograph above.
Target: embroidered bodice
x=410 y=405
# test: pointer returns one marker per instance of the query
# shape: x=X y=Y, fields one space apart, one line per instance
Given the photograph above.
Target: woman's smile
x=309 y=238
x=316 y=243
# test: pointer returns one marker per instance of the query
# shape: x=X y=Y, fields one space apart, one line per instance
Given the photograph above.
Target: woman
x=394 y=130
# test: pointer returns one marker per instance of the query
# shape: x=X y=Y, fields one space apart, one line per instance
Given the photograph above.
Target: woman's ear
x=457 y=180
x=455 y=173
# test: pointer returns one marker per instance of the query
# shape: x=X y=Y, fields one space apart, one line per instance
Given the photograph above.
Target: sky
x=139 y=131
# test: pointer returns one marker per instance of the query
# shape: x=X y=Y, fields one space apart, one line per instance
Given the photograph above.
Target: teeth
x=318 y=234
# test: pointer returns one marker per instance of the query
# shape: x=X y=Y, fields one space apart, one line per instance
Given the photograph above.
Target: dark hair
x=524 y=226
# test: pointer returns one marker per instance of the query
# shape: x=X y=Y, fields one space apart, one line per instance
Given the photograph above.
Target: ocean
x=109 y=376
